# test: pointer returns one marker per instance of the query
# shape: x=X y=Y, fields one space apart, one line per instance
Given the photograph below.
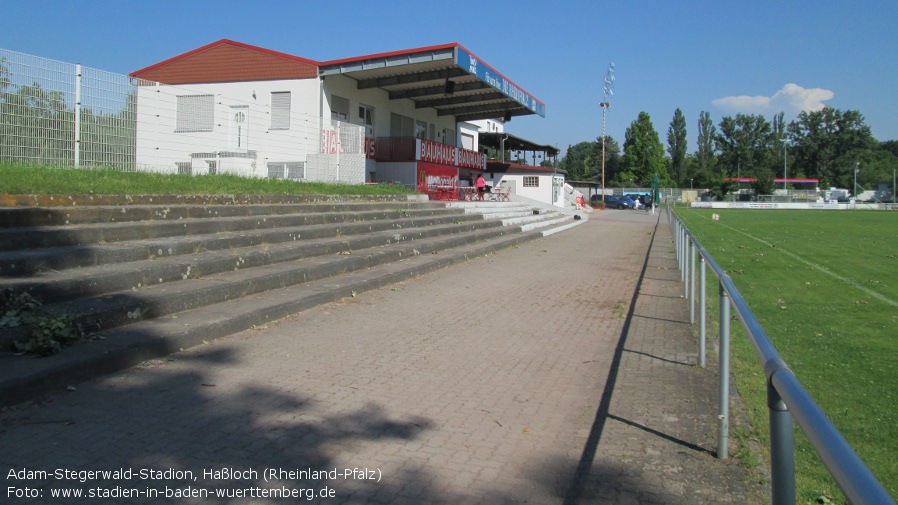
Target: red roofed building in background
x=411 y=116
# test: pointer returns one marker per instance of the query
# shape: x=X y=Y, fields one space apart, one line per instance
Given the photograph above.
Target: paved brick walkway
x=556 y=372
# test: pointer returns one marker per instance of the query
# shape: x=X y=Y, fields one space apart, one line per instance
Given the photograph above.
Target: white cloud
x=792 y=99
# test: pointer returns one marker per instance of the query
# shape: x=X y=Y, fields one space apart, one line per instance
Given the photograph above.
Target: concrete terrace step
x=35 y=237
x=126 y=346
x=526 y=217
x=158 y=300
x=175 y=275
x=34 y=262
x=53 y=285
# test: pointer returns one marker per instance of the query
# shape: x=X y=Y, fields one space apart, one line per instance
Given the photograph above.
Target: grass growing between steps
x=17 y=179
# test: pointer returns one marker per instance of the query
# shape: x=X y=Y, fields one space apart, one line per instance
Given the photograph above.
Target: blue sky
x=724 y=57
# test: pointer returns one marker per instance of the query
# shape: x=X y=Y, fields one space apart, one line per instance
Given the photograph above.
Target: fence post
x=782 y=440
x=77 y=129
x=691 y=295
x=682 y=253
x=686 y=250
x=702 y=323
x=723 y=419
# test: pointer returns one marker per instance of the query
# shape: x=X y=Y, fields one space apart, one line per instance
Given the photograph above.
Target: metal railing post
x=782 y=441
x=686 y=251
x=723 y=419
x=677 y=239
x=77 y=138
x=702 y=309
x=682 y=254
x=691 y=294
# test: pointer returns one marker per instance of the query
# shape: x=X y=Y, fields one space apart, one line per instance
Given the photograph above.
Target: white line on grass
x=815 y=266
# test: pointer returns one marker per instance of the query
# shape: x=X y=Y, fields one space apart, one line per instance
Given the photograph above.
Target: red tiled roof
x=228 y=61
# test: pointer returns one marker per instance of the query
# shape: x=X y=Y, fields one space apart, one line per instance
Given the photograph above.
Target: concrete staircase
x=148 y=276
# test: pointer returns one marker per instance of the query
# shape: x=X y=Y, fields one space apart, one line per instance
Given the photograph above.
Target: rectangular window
x=366 y=119
x=213 y=167
x=296 y=170
x=184 y=168
x=531 y=181
x=276 y=170
x=280 y=110
x=421 y=130
x=339 y=108
x=195 y=113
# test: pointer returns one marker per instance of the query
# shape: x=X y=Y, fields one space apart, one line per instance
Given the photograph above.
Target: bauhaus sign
x=444 y=154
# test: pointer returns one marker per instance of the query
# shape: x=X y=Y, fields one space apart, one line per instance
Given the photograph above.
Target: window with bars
x=296 y=170
x=280 y=110
x=195 y=113
x=531 y=181
x=287 y=170
x=184 y=168
x=276 y=170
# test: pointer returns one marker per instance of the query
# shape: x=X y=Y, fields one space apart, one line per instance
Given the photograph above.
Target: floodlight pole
x=604 y=106
x=607 y=89
x=857 y=166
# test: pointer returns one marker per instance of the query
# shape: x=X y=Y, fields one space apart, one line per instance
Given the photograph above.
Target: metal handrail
x=786 y=397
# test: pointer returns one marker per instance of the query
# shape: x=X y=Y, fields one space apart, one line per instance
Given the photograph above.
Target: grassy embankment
x=35 y=180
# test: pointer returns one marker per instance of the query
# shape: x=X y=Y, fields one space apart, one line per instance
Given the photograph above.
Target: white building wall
x=160 y=147
x=471 y=131
x=543 y=193
x=489 y=125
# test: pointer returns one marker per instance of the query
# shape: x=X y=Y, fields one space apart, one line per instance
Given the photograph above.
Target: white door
x=239 y=129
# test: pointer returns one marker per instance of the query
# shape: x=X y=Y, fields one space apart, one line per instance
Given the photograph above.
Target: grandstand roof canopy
x=446 y=77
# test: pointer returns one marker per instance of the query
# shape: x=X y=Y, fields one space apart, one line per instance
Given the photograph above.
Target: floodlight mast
x=607 y=90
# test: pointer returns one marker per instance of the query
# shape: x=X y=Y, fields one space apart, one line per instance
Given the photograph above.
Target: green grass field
x=824 y=286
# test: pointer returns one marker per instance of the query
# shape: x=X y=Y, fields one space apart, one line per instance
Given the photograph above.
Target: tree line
x=829 y=145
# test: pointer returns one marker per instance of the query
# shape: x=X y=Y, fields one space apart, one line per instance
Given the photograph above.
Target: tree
x=828 y=143
x=744 y=144
x=890 y=146
x=705 y=157
x=764 y=182
x=676 y=148
x=583 y=161
x=643 y=152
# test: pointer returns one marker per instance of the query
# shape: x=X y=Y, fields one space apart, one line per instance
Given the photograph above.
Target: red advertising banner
x=431 y=176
